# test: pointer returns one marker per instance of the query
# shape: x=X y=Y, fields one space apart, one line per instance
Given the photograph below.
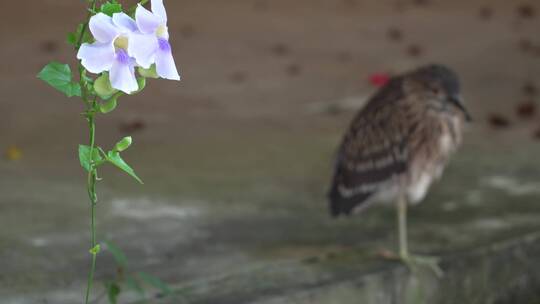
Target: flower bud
x=149 y=73
x=103 y=87
x=123 y=144
x=109 y=105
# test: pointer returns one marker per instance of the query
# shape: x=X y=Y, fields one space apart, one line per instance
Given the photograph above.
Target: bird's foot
x=414 y=262
x=422 y=261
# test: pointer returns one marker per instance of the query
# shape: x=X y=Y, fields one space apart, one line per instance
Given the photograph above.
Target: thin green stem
x=91 y=110
x=91 y=9
x=91 y=184
x=92 y=174
x=94 y=255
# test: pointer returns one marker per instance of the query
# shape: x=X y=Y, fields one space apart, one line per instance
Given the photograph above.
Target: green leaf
x=85 y=159
x=155 y=282
x=113 y=291
x=71 y=38
x=117 y=254
x=59 y=76
x=123 y=144
x=111 y=7
x=115 y=158
x=134 y=285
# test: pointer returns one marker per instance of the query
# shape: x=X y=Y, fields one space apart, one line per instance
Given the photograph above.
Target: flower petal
x=124 y=22
x=143 y=48
x=96 y=57
x=103 y=28
x=159 y=9
x=122 y=74
x=165 y=65
x=146 y=21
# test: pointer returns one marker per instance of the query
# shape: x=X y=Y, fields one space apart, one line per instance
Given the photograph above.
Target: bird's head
x=437 y=84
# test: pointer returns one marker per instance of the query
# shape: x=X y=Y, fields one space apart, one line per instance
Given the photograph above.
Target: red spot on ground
x=486 y=13
x=526 y=45
x=530 y=89
x=498 y=121
x=415 y=50
x=133 y=126
x=526 y=109
x=379 y=79
x=395 y=34
x=536 y=134
x=526 y=11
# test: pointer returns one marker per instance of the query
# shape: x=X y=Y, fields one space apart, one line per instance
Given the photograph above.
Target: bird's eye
x=436 y=91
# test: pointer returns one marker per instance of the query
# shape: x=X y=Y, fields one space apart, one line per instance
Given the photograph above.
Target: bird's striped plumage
x=399 y=142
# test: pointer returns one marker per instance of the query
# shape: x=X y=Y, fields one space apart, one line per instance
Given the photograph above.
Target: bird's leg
x=402 y=227
x=412 y=261
x=403 y=251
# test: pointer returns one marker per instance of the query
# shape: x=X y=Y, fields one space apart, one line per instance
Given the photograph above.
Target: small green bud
x=103 y=87
x=149 y=73
x=109 y=105
x=95 y=250
x=123 y=144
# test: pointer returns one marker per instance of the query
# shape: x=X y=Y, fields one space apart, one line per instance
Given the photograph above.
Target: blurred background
x=237 y=157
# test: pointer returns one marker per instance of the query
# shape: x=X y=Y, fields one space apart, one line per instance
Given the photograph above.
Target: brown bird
x=398 y=144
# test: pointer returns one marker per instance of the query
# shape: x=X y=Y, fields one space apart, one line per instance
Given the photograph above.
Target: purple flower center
x=122 y=56
x=164 y=45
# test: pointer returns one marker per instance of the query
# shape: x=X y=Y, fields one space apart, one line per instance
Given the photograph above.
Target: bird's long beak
x=458 y=102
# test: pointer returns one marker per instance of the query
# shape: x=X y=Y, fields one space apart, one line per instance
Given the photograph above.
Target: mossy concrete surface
x=505 y=272
x=269 y=238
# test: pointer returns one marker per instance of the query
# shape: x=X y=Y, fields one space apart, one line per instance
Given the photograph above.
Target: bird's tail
x=343 y=205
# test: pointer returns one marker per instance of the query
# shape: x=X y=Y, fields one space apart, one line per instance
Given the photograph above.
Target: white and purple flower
x=110 y=51
x=122 y=43
x=152 y=45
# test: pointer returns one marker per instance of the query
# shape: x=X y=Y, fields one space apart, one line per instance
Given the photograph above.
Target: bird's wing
x=373 y=151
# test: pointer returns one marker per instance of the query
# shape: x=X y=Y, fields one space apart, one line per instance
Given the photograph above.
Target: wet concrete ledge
x=501 y=273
